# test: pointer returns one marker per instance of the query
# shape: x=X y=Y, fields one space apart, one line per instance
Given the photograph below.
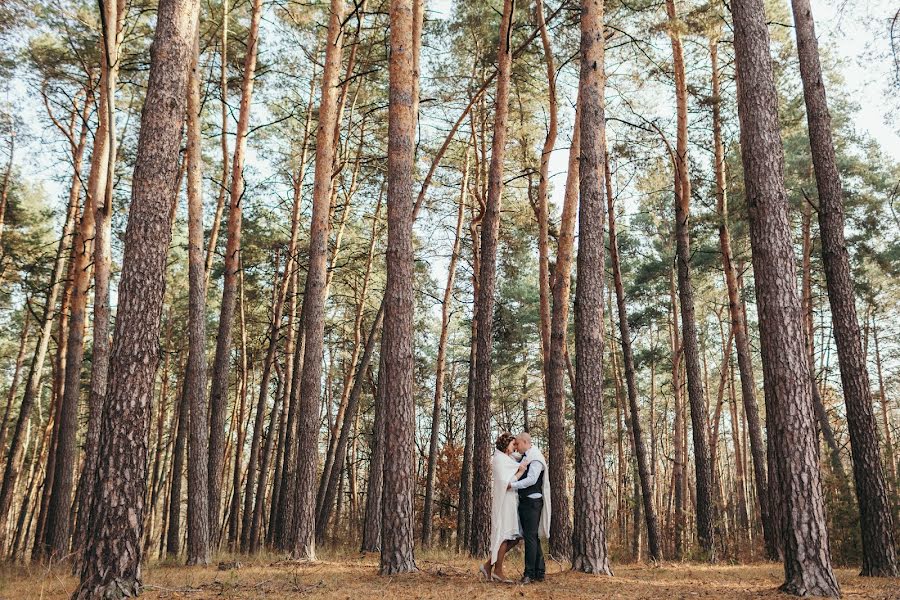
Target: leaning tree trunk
x=807 y=558
x=173 y=523
x=879 y=557
x=112 y=561
x=428 y=509
x=397 y=507
x=304 y=495
x=738 y=325
x=218 y=397
x=699 y=418
x=640 y=450
x=589 y=552
x=487 y=283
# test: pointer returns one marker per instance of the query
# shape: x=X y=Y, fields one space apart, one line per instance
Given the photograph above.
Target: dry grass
x=441 y=577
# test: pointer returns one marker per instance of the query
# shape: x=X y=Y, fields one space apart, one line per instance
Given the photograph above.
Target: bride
x=505 y=528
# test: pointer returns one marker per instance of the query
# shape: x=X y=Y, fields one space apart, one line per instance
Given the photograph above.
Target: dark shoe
x=526 y=580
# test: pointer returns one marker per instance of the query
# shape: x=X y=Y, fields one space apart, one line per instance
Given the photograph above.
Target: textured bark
x=304 y=503
x=36 y=369
x=879 y=556
x=589 y=552
x=397 y=507
x=113 y=15
x=239 y=426
x=807 y=560
x=198 y=451
x=428 y=508
x=699 y=417
x=112 y=561
x=487 y=282
x=218 y=396
x=643 y=469
x=738 y=324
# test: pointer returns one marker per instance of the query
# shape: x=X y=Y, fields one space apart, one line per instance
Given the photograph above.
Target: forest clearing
x=449 y=299
x=347 y=575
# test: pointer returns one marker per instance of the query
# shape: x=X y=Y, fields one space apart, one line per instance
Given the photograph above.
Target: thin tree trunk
x=304 y=494
x=234 y=517
x=490 y=231
x=738 y=324
x=20 y=361
x=371 y=541
x=678 y=467
x=173 y=524
x=542 y=207
x=223 y=138
x=111 y=564
x=218 y=396
x=112 y=19
x=876 y=524
x=643 y=470
x=589 y=551
x=195 y=384
x=699 y=417
x=427 y=511
x=807 y=559
x=885 y=411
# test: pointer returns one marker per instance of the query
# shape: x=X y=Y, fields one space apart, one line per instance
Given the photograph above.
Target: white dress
x=505 y=508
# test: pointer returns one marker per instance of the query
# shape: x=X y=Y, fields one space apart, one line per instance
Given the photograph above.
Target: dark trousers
x=530 y=518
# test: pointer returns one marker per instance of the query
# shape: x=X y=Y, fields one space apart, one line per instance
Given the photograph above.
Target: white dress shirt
x=534 y=471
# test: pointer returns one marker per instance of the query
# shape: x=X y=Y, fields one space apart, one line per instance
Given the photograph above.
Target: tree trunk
x=218 y=397
x=371 y=541
x=542 y=207
x=885 y=412
x=487 y=279
x=679 y=464
x=699 y=417
x=112 y=561
x=303 y=547
x=397 y=507
x=195 y=385
x=640 y=450
x=879 y=557
x=113 y=15
x=173 y=524
x=738 y=324
x=589 y=552
x=807 y=559
x=224 y=110
x=427 y=511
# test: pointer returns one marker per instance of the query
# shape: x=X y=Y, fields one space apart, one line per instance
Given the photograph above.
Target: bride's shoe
x=495 y=577
x=484 y=573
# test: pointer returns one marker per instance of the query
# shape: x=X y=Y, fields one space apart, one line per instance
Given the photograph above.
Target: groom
x=533 y=515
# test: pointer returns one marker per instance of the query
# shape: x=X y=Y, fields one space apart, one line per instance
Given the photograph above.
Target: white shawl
x=505 y=504
x=534 y=454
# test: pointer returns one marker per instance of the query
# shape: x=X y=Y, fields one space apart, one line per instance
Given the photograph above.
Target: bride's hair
x=503 y=441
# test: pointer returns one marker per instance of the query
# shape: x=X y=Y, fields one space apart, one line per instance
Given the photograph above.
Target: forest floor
x=441 y=576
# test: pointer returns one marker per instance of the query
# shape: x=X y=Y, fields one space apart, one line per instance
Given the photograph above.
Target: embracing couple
x=521 y=506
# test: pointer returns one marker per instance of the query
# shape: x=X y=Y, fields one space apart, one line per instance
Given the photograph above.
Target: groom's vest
x=537 y=488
